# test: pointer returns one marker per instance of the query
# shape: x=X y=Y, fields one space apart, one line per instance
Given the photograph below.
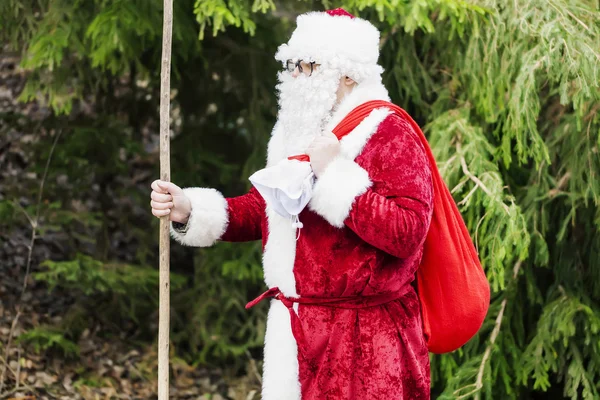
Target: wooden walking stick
x=165 y=175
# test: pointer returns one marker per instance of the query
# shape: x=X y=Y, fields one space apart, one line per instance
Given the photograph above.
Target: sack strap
x=351 y=121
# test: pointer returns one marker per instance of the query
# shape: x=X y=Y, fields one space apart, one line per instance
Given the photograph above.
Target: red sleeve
x=246 y=214
x=386 y=195
x=395 y=212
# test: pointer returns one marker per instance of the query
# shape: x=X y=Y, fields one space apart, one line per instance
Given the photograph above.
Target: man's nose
x=296 y=72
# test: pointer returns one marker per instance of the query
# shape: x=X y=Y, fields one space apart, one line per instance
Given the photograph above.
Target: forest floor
x=103 y=368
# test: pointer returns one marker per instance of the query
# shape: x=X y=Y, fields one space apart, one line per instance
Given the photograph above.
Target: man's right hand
x=169 y=199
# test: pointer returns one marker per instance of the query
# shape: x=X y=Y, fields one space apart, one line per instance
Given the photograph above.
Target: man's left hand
x=322 y=151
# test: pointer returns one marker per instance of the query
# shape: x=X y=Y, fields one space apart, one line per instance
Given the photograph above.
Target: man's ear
x=349 y=81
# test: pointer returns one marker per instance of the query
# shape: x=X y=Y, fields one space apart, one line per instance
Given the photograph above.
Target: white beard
x=305 y=106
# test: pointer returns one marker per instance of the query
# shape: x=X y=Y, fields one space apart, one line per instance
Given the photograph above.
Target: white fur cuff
x=208 y=220
x=334 y=193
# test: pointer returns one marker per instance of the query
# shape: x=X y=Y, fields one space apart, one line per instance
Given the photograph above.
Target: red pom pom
x=339 y=12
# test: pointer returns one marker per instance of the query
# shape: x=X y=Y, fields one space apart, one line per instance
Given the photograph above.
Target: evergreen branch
x=561 y=183
x=494 y=335
x=477 y=230
x=466 y=198
x=580 y=22
x=555 y=343
x=478 y=385
x=468 y=394
x=475 y=179
x=446 y=164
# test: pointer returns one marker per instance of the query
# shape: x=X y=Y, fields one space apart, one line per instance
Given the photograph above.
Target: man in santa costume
x=342 y=234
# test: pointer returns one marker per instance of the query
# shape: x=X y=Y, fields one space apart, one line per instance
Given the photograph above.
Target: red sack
x=452 y=287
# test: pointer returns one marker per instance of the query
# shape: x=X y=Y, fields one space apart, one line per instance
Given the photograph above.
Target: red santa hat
x=335 y=39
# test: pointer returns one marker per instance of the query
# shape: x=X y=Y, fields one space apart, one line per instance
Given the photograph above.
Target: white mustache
x=305 y=105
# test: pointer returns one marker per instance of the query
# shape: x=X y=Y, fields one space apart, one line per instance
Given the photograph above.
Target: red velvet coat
x=363 y=236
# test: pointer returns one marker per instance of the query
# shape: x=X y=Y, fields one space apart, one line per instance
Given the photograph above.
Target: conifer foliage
x=508 y=95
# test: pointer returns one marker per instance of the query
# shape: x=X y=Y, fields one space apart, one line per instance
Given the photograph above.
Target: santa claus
x=342 y=224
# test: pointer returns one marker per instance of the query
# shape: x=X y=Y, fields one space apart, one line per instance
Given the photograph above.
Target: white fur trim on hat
x=350 y=45
x=208 y=220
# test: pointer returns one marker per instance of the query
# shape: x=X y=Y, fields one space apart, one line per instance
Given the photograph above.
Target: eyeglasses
x=301 y=65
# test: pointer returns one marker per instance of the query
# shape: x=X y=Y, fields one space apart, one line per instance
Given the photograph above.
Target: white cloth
x=286 y=187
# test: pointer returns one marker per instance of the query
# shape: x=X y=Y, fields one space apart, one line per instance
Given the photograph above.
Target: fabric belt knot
x=349 y=302
x=297 y=330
